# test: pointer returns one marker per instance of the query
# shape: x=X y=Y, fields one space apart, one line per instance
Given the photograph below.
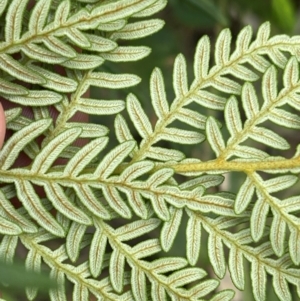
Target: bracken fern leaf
x=107 y=217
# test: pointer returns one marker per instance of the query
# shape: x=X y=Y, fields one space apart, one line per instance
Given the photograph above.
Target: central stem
x=244 y=166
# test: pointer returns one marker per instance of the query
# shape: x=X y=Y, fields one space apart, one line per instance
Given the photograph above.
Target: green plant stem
x=244 y=166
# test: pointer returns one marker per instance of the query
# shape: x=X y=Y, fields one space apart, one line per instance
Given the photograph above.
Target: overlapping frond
x=254 y=186
x=208 y=89
x=84 y=178
x=59 y=34
x=256 y=115
x=261 y=258
x=168 y=276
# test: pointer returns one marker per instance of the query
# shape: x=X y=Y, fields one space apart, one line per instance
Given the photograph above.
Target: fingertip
x=2 y=125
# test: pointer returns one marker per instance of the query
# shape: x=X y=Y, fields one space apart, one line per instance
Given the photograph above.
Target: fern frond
x=260 y=257
x=100 y=177
x=125 y=205
x=140 y=268
x=217 y=78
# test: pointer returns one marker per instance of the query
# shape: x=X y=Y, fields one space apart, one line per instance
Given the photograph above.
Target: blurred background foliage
x=14 y=277
x=186 y=22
